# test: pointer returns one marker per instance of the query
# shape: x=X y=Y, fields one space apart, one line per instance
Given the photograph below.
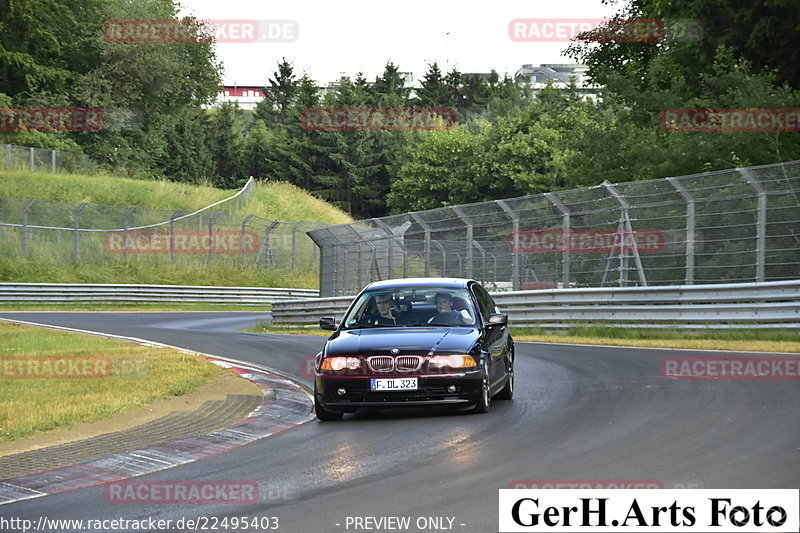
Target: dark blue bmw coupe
x=415 y=342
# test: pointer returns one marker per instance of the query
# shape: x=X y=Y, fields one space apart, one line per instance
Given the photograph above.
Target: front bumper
x=432 y=391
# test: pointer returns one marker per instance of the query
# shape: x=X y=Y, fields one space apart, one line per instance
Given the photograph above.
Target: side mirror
x=498 y=320
x=328 y=322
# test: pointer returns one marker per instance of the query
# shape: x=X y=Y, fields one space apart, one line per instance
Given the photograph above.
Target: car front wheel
x=485 y=398
x=323 y=414
x=508 y=391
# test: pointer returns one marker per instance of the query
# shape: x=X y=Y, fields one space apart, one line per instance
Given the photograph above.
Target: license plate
x=384 y=384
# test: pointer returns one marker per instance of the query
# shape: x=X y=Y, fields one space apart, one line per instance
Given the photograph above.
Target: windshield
x=411 y=307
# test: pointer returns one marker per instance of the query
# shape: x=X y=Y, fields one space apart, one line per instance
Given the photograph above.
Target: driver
x=387 y=314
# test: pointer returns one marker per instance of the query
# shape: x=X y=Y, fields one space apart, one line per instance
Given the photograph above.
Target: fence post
x=374 y=268
x=75 y=252
x=266 y=245
x=690 y=225
x=32 y=160
x=761 y=222
x=565 y=227
x=390 y=261
x=444 y=256
x=53 y=160
x=515 y=282
x=481 y=249
x=468 y=223
x=294 y=242
x=128 y=213
x=358 y=241
x=172 y=235
x=8 y=156
x=25 y=229
x=626 y=223
x=244 y=233
x=426 y=250
x=211 y=219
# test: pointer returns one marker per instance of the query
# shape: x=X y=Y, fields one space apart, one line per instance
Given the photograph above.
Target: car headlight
x=337 y=364
x=451 y=361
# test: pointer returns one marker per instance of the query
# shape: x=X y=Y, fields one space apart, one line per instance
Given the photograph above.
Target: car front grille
x=381 y=363
x=408 y=363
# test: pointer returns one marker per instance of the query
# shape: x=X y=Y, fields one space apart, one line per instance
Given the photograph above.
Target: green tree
x=296 y=150
x=228 y=144
x=434 y=90
x=279 y=95
x=187 y=154
x=389 y=89
x=440 y=168
x=350 y=162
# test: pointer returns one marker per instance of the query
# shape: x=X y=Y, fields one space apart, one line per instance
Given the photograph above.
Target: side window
x=485 y=303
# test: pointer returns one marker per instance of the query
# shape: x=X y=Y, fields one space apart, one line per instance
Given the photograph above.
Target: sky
x=339 y=37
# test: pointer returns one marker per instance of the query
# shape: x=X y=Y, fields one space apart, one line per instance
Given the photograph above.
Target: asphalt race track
x=579 y=413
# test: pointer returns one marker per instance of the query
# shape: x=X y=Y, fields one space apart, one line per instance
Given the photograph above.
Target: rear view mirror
x=498 y=320
x=327 y=322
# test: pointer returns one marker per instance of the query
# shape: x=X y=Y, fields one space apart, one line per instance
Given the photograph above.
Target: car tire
x=507 y=392
x=485 y=399
x=324 y=415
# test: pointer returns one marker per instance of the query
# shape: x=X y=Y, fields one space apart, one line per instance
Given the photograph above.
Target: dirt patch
x=217 y=388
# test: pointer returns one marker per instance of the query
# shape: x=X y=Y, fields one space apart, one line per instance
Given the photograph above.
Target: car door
x=502 y=340
x=494 y=338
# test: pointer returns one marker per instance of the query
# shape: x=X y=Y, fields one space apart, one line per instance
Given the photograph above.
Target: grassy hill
x=270 y=200
x=273 y=200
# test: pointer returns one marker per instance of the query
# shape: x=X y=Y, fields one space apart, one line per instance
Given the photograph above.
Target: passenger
x=445 y=314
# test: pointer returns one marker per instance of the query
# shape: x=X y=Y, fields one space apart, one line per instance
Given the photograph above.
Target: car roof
x=449 y=283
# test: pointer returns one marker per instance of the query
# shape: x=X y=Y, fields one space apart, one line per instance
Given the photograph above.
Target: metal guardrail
x=108 y=293
x=714 y=306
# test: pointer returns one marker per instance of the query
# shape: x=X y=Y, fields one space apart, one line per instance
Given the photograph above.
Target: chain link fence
x=14 y=157
x=728 y=226
x=81 y=233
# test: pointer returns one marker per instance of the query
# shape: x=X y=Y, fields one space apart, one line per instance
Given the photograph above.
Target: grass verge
x=731 y=340
x=51 y=270
x=264 y=327
x=134 y=307
x=116 y=377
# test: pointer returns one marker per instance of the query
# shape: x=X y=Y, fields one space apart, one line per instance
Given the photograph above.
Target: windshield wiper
x=364 y=326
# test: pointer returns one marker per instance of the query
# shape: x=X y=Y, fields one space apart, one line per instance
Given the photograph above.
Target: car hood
x=409 y=340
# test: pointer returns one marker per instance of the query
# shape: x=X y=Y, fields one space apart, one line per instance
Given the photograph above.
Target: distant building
x=560 y=76
x=247 y=96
